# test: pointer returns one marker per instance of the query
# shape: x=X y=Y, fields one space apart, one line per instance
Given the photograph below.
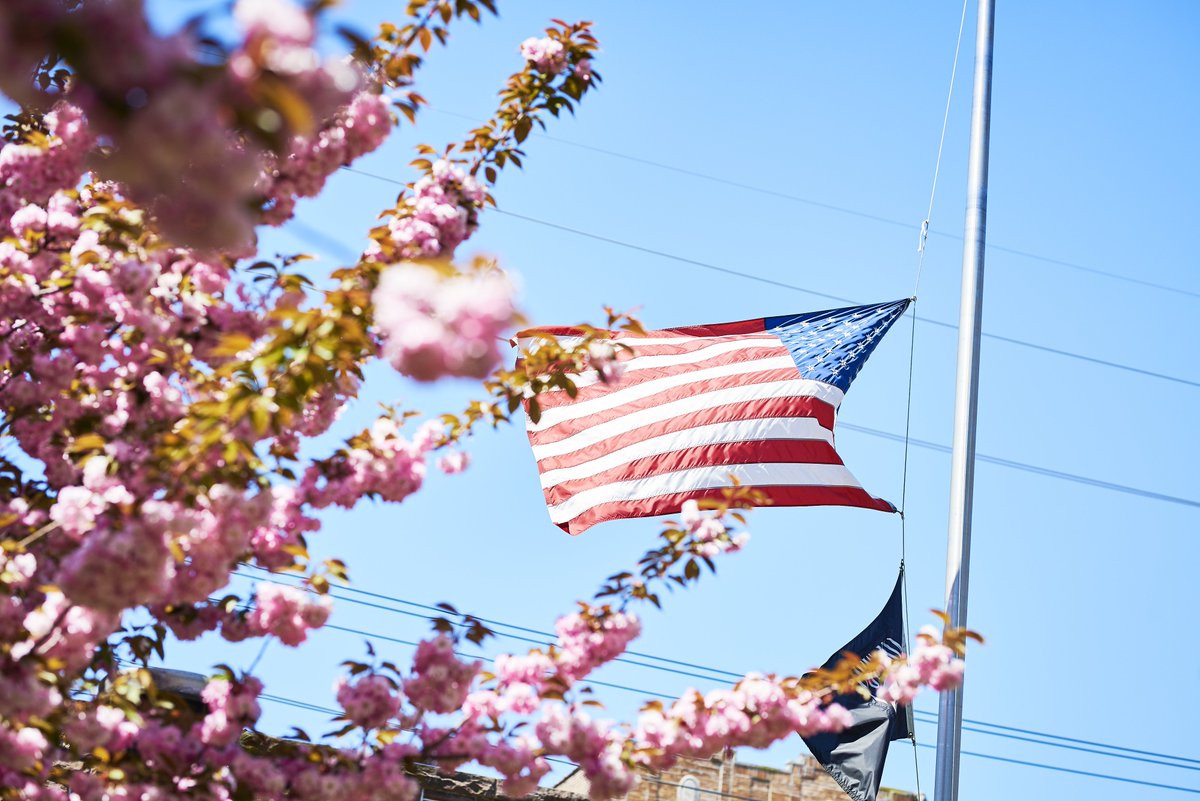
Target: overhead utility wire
x=490 y=622
x=385 y=638
x=843 y=210
x=772 y=282
x=516 y=637
x=310 y=707
x=1028 y=468
x=922 y=712
x=276 y=699
x=931 y=719
x=1042 y=471
x=839 y=299
x=1073 y=771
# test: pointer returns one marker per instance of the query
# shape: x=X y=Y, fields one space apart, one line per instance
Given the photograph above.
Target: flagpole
x=966 y=395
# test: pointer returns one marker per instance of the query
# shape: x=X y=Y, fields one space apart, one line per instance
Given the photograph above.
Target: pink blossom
x=435 y=326
x=65 y=631
x=440 y=681
x=20 y=749
x=282 y=19
x=592 y=744
x=546 y=54
x=28 y=220
x=102 y=726
x=117 y=569
x=931 y=663
x=233 y=705
x=585 y=643
x=441 y=213
x=385 y=465
x=76 y=509
x=369 y=701
x=354 y=131
x=454 y=462
x=288 y=612
x=604 y=358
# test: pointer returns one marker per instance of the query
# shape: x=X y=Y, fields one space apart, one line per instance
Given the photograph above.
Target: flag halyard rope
x=921 y=242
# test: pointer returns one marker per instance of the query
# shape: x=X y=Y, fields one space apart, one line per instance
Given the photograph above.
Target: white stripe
x=701 y=478
x=589 y=377
x=796 y=388
x=619 y=397
x=795 y=428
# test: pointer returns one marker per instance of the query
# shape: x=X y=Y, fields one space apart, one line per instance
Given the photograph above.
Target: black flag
x=854 y=757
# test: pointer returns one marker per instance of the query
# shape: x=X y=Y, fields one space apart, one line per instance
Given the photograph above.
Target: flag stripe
x=683 y=425
x=670 y=504
x=645 y=367
x=627 y=397
x=700 y=478
x=599 y=428
x=722 y=432
x=761 y=451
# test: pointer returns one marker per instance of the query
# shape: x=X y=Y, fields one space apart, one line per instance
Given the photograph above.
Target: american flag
x=754 y=399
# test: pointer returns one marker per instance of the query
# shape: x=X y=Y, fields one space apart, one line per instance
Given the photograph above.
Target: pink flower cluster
x=604 y=358
x=546 y=54
x=30 y=174
x=233 y=706
x=930 y=664
x=708 y=533
x=383 y=464
x=755 y=713
x=440 y=680
x=369 y=701
x=441 y=213
x=166 y=117
x=288 y=612
x=593 y=745
x=454 y=462
x=435 y=326
x=101 y=726
x=354 y=131
x=587 y=641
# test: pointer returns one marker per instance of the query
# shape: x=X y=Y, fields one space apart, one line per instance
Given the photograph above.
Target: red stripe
x=770 y=451
x=633 y=378
x=717 y=330
x=670 y=504
x=757 y=326
x=566 y=428
x=744 y=410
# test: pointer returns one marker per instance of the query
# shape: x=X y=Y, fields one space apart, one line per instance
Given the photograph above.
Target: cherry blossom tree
x=157 y=381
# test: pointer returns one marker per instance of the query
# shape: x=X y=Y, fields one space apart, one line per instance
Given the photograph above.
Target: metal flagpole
x=966 y=396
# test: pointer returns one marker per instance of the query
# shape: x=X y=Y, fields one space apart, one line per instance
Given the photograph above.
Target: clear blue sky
x=839 y=106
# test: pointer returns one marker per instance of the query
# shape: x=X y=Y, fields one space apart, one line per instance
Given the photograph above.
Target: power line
x=1075 y=771
x=927 y=714
x=784 y=285
x=933 y=721
x=464 y=655
x=843 y=210
x=1073 y=739
x=517 y=637
x=305 y=706
x=807 y=291
x=491 y=622
x=1028 y=468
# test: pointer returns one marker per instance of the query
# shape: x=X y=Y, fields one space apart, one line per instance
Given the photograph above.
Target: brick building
x=726 y=779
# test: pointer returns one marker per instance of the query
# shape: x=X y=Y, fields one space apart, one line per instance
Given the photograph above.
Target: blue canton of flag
x=832 y=346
